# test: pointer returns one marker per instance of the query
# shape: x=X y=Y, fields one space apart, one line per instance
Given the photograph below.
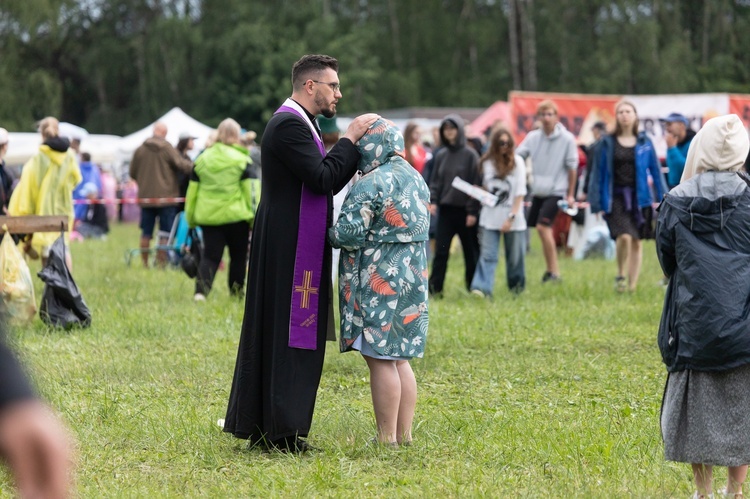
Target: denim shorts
x=166 y=215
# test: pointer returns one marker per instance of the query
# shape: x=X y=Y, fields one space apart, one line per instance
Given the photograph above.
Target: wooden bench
x=29 y=224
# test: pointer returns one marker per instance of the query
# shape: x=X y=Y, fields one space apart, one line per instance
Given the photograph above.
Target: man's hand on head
x=359 y=126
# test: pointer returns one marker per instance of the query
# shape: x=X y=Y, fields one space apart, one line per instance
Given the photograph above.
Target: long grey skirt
x=705 y=417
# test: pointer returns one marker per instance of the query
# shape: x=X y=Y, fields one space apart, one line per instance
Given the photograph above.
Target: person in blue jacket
x=678 y=136
x=90 y=175
x=626 y=182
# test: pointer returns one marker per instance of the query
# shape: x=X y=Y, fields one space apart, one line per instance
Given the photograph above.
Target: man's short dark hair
x=309 y=65
x=85 y=156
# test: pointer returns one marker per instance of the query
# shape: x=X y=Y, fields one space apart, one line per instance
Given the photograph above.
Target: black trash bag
x=62 y=304
x=192 y=257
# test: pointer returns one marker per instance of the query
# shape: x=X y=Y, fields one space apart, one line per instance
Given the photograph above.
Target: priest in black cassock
x=288 y=310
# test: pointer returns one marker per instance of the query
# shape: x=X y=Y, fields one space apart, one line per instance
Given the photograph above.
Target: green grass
x=554 y=393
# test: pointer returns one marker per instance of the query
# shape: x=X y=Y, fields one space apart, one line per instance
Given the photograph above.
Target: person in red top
x=415 y=153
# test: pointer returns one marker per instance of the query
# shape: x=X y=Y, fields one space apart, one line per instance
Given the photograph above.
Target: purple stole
x=308 y=264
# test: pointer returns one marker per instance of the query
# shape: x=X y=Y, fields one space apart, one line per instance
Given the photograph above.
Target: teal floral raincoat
x=382 y=232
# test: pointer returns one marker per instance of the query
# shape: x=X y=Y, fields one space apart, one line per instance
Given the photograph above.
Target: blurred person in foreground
x=219 y=200
x=46 y=187
x=382 y=232
x=33 y=442
x=702 y=236
x=289 y=307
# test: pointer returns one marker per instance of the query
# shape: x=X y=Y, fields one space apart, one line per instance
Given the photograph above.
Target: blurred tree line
x=114 y=65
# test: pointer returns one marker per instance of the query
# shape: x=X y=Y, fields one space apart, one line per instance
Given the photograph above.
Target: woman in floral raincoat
x=382 y=231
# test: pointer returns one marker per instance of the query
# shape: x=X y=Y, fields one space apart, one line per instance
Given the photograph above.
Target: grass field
x=554 y=393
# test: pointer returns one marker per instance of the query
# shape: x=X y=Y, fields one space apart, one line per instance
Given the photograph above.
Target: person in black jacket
x=702 y=236
x=33 y=443
x=6 y=181
x=457 y=212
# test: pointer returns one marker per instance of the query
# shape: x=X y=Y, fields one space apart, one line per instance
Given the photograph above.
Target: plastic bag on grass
x=16 y=287
x=62 y=303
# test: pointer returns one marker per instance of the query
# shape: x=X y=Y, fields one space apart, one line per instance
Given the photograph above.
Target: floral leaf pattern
x=382 y=231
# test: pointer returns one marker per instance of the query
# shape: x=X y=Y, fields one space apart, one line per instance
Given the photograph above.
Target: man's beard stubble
x=324 y=107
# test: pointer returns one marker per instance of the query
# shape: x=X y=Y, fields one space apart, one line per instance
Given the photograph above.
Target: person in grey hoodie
x=702 y=238
x=457 y=212
x=554 y=162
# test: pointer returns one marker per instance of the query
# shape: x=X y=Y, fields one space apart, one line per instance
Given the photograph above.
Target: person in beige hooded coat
x=702 y=241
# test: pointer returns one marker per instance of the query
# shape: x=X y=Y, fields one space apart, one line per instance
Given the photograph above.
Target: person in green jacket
x=220 y=201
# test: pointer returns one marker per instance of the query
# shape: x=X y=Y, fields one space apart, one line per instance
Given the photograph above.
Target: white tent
x=177 y=122
x=22 y=146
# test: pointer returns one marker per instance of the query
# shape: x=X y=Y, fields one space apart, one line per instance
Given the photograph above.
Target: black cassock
x=274 y=387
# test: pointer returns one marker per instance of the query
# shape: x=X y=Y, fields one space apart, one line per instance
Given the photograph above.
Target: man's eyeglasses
x=334 y=86
x=543 y=115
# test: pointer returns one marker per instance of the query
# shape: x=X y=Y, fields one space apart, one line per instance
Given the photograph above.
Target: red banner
x=740 y=105
x=577 y=112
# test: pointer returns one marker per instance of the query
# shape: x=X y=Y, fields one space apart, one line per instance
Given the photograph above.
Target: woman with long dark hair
x=414 y=152
x=504 y=175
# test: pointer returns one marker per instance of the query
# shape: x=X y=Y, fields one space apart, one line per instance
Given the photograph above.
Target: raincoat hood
x=59 y=144
x=705 y=203
x=378 y=145
x=55 y=149
x=721 y=145
x=457 y=122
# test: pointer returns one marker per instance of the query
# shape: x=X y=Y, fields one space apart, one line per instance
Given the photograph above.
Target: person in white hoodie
x=554 y=159
x=702 y=238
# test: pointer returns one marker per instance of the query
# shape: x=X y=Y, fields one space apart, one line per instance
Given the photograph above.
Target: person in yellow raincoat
x=46 y=185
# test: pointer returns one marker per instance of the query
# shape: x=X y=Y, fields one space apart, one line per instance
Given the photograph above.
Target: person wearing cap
x=704 y=333
x=6 y=181
x=154 y=167
x=678 y=137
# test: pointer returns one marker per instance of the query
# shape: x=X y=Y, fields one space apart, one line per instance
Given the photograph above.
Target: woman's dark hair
x=182 y=145
x=504 y=161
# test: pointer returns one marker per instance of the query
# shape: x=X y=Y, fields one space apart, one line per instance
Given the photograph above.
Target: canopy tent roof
x=497 y=112
x=22 y=146
x=177 y=122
